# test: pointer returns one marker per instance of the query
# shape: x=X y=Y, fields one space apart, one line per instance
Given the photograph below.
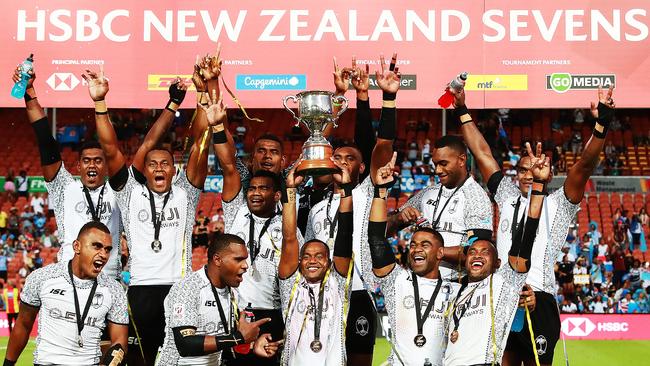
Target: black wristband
x=28 y=97
x=347 y=188
x=219 y=137
x=101 y=113
x=284 y=197
x=8 y=363
x=539 y=181
x=381 y=190
x=387 y=124
x=538 y=193
x=389 y=96
x=229 y=340
x=460 y=112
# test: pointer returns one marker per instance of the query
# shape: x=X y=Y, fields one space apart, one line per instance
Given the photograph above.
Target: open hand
x=264 y=347
x=359 y=76
x=216 y=110
x=388 y=80
x=341 y=79
x=540 y=163
x=605 y=98
x=97 y=83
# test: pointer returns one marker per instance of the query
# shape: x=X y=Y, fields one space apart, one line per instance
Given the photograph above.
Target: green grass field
x=581 y=353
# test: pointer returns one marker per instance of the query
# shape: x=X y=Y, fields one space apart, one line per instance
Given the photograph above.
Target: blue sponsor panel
x=213 y=183
x=414 y=183
x=271 y=82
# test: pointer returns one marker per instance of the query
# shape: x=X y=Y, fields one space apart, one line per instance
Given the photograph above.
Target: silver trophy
x=315 y=112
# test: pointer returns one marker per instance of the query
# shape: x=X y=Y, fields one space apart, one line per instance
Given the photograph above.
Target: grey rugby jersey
x=557 y=214
x=70 y=206
x=49 y=289
x=174 y=260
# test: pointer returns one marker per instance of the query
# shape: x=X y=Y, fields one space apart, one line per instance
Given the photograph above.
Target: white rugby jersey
x=260 y=284
x=318 y=227
x=175 y=258
x=469 y=208
x=297 y=351
x=557 y=214
x=71 y=210
x=191 y=302
x=49 y=288
x=397 y=288
x=474 y=344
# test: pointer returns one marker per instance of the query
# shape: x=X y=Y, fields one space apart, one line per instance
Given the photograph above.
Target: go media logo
x=562 y=82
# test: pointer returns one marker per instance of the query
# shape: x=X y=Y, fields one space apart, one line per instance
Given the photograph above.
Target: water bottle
x=518 y=321
x=427 y=362
x=244 y=349
x=458 y=83
x=18 y=91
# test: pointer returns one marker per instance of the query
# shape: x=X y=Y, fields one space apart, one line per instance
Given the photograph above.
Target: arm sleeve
x=31 y=293
x=124 y=194
x=477 y=211
x=118 y=313
x=56 y=189
x=343 y=242
x=502 y=188
x=230 y=209
x=47 y=145
x=364 y=134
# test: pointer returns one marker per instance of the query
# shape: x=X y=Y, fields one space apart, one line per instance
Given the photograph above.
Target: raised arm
x=383 y=259
x=343 y=242
x=473 y=137
x=47 y=146
x=20 y=334
x=389 y=82
x=155 y=134
x=208 y=70
x=98 y=88
x=574 y=186
x=524 y=237
x=364 y=134
x=289 y=258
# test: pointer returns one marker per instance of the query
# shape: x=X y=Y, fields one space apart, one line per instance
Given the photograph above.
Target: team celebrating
x=290 y=280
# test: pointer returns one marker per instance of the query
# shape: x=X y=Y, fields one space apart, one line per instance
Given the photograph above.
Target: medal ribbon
x=157 y=221
x=95 y=213
x=252 y=248
x=222 y=315
x=418 y=311
x=81 y=318
x=434 y=221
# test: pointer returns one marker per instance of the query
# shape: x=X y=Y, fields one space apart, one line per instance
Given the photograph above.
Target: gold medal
x=454 y=336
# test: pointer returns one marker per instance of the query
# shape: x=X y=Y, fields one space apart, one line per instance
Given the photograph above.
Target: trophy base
x=316 y=168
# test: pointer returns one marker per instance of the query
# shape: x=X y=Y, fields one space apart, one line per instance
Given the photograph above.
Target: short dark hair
x=453 y=142
x=431 y=231
x=272 y=137
x=348 y=144
x=221 y=241
x=302 y=248
x=90 y=144
x=277 y=182
x=159 y=148
x=90 y=225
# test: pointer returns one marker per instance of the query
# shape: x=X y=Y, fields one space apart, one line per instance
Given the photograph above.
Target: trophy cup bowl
x=315 y=112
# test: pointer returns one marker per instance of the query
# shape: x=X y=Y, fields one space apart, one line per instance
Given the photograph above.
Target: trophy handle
x=344 y=106
x=295 y=100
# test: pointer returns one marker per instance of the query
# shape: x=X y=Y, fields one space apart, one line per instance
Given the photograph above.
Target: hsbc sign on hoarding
x=605 y=326
x=63 y=81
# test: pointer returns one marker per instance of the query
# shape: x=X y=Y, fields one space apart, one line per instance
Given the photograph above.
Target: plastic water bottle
x=244 y=349
x=518 y=321
x=458 y=83
x=18 y=91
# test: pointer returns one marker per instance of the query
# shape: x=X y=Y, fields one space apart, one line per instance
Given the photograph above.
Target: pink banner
x=532 y=54
x=605 y=326
x=4 y=326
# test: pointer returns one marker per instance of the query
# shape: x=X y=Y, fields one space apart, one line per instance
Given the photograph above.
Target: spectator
x=596 y=273
x=610 y=149
x=603 y=248
x=413 y=152
x=11 y=299
x=22 y=184
x=576 y=143
x=578 y=116
x=632 y=306
x=49 y=240
x=426 y=151
x=13 y=223
x=37 y=203
x=10 y=186
x=619 y=266
x=636 y=229
x=641 y=298
x=3 y=222
x=3 y=265
x=614 y=164
x=598 y=305
x=634 y=276
x=620 y=234
x=644 y=218
x=616 y=216
x=569 y=307
x=39 y=224
x=26 y=219
x=565 y=274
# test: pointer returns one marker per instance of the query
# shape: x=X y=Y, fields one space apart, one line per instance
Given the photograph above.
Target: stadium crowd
x=292 y=262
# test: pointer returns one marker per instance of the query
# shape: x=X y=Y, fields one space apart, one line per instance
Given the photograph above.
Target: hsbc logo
x=577 y=327
x=582 y=327
x=63 y=81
